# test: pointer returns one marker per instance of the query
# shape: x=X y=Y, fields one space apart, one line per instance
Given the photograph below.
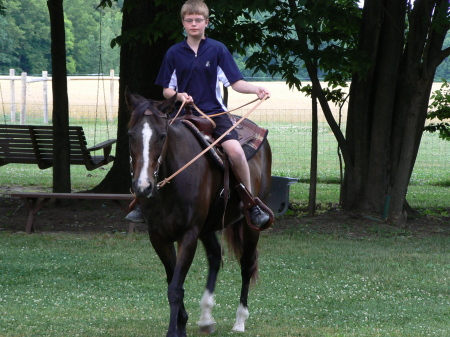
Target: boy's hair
x=195 y=7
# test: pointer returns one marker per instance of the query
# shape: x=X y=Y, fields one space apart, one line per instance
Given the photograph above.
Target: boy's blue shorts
x=223 y=123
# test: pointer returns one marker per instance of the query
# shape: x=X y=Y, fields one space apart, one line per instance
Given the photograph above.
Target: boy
x=193 y=69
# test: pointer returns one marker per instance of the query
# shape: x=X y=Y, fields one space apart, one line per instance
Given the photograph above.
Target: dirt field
x=91 y=97
x=96 y=216
x=84 y=93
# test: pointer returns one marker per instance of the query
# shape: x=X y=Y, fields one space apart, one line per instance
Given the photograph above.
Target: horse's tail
x=239 y=237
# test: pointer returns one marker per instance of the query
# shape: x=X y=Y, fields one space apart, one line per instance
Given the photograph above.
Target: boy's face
x=195 y=25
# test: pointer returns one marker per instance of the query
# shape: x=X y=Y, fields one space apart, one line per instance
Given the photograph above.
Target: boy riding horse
x=192 y=69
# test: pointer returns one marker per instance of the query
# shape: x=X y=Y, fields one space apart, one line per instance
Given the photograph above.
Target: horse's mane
x=142 y=104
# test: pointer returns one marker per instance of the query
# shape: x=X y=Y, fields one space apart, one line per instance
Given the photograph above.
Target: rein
x=239 y=107
x=166 y=180
x=203 y=115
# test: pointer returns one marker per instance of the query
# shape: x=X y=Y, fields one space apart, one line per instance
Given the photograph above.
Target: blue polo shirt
x=199 y=75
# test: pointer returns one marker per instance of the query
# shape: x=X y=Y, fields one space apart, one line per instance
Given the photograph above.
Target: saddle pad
x=250 y=136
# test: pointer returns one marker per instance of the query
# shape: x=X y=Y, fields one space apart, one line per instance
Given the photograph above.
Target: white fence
x=24 y=79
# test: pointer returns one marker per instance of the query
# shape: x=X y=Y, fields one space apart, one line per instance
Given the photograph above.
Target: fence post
x=111 y=94
x=44 y=77
x=24 y=99
x=12 y=73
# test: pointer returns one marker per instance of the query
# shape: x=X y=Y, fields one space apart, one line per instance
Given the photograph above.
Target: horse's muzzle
x=142 y=189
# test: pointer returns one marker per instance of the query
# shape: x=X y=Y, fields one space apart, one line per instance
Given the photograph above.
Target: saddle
x=250 y=135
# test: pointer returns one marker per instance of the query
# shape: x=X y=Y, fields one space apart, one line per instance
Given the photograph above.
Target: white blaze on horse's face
x=144 y=179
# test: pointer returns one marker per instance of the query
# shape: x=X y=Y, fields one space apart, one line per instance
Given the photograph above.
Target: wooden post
x=12 y=74
x=44 y=77
x=111 y=94
x=24 y=99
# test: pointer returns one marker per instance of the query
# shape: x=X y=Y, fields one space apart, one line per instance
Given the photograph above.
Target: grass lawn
x=310 y=285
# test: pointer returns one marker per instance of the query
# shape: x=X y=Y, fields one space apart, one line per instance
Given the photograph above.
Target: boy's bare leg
x=237 y=157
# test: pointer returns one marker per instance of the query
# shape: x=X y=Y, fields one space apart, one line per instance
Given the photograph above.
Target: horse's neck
x=182 y=148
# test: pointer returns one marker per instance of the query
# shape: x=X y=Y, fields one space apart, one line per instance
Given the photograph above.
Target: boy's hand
x=186 y=98
x=262 y=92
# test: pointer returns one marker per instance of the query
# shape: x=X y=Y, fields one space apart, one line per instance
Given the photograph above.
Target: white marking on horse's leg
x=241 y=316
x=143 y=180
x=206 y=305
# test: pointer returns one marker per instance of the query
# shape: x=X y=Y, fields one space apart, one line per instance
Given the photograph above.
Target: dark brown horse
x=190 y=207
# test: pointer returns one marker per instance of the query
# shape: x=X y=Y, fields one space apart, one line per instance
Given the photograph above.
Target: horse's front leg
x=178 y=315
x=167 y=254
x=213 y=253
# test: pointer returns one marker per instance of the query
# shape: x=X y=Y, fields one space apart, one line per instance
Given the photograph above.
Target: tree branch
x=312 y=71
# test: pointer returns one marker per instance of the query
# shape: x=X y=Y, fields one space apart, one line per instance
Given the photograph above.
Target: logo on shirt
x=208 y=64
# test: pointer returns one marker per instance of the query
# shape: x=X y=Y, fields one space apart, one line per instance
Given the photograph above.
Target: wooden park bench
x=278 y=200
x=33 y=144
x=35 y=201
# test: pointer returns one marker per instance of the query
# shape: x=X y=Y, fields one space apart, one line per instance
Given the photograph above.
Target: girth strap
x=225 y=196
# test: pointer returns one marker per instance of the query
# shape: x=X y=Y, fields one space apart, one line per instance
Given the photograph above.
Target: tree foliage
x=2 y=8
x=390 y=53
x=83 y=28
x=25 y=36
x=440 y=110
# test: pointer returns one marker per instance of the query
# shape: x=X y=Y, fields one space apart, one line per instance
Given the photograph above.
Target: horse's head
x=147 y=131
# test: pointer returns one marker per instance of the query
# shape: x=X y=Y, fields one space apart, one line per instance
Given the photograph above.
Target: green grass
x=31 y=178
x=418 y=196
x=310 y=285
x=290 y=144
x=291 y=147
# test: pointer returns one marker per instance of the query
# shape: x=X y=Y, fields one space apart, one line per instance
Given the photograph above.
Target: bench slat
x=33 y=144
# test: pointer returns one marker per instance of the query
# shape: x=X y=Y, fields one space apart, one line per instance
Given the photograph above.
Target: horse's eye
x=162 y=138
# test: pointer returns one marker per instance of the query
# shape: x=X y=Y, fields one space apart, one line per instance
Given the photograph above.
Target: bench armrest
x=99 y=146
x=106 y=146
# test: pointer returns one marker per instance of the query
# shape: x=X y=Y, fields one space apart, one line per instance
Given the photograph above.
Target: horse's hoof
x=206 y=330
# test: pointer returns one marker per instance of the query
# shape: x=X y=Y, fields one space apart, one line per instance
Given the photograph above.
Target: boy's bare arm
x=247 y=88
x=181 y=96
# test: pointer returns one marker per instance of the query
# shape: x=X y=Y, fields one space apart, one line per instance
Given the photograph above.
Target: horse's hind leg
x=213 y=253
x=249 y=271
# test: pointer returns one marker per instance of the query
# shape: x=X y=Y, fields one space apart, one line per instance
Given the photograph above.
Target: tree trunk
x=314 y=151
x=140 y=61
x=61 y=144
x=388 y=106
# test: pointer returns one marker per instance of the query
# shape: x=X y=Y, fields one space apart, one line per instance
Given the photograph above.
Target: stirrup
x=264 y=208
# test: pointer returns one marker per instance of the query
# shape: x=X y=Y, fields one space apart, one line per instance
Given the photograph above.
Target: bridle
x=148 y=112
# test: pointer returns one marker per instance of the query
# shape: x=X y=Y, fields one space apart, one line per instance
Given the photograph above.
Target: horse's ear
x=168 y=105
x=130 y=99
